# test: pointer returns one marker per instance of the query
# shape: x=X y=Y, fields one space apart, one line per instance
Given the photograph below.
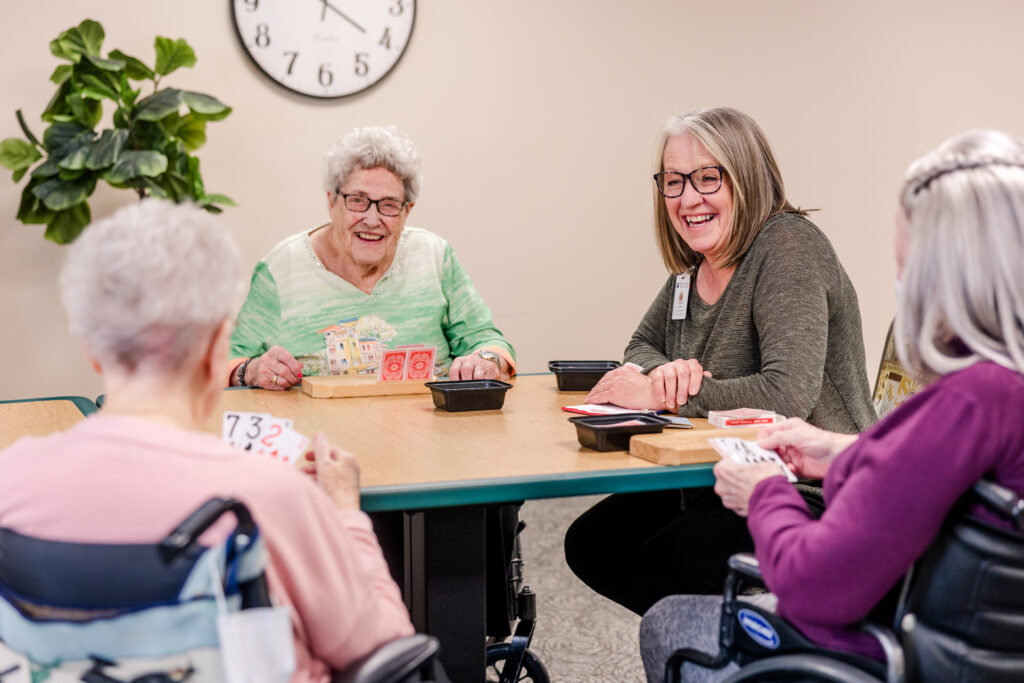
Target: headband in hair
x=916 y=185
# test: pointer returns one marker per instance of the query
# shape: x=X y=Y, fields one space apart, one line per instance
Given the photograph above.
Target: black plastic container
x=601 y=433
x=469 y=394
x=580 y=375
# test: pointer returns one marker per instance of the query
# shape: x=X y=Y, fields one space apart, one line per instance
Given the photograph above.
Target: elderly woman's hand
x=627 y=387
x=675 y=382
x=475 y=367
x=335 y=470
x=275 y=369
x=808 y=449
x=735 y=482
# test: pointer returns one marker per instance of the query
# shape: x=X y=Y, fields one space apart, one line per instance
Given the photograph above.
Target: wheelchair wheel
x=800 y=669
x=499 y=655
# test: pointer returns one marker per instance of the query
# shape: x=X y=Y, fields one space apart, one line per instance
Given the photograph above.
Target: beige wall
x=536 y=121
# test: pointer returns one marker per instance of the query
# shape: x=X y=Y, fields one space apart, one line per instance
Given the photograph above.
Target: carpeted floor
x=580 y=636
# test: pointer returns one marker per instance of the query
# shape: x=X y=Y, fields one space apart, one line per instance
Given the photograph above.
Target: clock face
x=324 y=48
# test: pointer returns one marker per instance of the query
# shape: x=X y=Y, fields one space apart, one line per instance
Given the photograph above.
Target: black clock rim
x=279 y=84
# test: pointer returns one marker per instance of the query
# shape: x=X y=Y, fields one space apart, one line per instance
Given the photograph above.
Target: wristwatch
x=490 y=355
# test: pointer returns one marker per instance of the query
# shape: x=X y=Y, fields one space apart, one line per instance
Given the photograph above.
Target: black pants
x=636 y=548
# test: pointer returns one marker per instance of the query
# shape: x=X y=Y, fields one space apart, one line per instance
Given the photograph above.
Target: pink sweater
x=114 y=479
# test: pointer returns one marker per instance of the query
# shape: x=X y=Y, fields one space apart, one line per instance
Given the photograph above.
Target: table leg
x=445 y=585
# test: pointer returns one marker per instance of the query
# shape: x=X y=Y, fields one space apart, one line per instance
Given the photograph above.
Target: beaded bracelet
x=241 y=370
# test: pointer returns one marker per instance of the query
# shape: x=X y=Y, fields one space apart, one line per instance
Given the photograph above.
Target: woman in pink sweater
x=151 y=292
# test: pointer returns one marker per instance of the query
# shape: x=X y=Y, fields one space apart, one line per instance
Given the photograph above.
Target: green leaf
x=71 y=157
x=18 y=155
x=19 y=174
x=150 y=186
x=106 y=64
x=191 y=130
x=208 y=199
x=31 y=210
x=135 y=68
x=137 y=163
x=210 y=108
x=59 y=194
x=159 y=105
x=60 y=134
x=46 y=169
x=177 y=186
x=173 y=54
x=72 y=174
x=84 y=39
x=96 y=88
x=58 y=106
x=107 y=149
x=67 y=225
x=61 y=73
x=87 y=111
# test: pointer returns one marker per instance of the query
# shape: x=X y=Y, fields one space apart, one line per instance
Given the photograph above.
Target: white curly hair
x=374 y=147
x=146 y=287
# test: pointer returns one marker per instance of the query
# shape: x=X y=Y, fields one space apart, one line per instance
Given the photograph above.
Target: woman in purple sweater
x=960 y=328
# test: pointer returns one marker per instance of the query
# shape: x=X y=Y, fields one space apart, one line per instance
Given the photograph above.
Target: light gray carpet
x=580 y=636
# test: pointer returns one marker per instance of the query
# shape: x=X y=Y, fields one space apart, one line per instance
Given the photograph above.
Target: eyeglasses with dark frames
x=705 y=180
x=361 y=204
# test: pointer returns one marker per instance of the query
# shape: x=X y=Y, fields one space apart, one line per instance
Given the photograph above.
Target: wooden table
x=39 y=417
x=442 y=468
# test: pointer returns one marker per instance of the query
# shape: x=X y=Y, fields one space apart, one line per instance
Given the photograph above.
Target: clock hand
x=341 y=14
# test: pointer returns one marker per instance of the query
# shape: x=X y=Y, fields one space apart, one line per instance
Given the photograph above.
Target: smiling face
x=367 y=240
x=703 y=220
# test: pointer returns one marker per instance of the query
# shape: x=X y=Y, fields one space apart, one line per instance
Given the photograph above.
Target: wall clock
x=324 y=48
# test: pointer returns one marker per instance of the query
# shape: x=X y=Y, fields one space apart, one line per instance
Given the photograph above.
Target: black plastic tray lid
x=469 y=394
x=580 y=375
x=608 y=433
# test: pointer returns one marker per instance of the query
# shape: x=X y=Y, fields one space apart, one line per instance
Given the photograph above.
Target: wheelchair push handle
x=189 y=530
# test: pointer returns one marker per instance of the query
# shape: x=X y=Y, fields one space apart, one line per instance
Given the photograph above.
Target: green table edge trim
x=84 y=405
x=508 y=489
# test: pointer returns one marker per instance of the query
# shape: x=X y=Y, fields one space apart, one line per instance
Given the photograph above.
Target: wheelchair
x=959 y=614
x=147 y=613
x=511 y=605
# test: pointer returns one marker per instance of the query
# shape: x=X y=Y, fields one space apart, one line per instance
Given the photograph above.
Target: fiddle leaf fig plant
x=147 y=148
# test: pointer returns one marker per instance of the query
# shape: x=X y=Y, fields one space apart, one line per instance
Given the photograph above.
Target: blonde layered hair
x=962 y=293
x=740 y=146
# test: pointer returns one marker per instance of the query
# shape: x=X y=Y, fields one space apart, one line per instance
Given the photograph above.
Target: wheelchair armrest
x=412 y=658
x=746 y=564
x=1002 y=500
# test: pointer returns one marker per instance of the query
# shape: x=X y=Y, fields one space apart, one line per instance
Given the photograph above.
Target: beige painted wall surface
x=536 y=121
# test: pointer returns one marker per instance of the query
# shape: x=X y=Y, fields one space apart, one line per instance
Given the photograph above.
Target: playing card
x=281 y=443
x=392 y=365
x=748 y=452
x=421 y=363
x=244 y=430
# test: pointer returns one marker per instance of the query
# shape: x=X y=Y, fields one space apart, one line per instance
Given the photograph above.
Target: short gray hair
x=962 y=295
x=144 y=287
x=374 y=147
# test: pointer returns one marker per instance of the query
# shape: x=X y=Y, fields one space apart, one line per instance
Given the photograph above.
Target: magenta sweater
x=887 y=496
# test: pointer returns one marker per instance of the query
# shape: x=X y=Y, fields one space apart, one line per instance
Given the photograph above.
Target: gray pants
x=690 y=621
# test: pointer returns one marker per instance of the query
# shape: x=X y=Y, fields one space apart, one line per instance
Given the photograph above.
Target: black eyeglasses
x=362 y=204
x=706 y=180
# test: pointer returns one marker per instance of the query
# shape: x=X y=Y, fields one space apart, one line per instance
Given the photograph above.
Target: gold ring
x=275 y=379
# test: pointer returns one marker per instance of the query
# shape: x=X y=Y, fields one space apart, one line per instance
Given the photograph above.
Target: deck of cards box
x=742 y=417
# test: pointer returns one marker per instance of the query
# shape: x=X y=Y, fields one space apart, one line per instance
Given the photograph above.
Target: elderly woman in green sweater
x=757 y=312
x=331 y=299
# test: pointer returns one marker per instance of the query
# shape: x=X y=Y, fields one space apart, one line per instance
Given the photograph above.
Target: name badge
x=680 y=297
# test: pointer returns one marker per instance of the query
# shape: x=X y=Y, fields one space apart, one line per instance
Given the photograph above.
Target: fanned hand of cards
x=414 y=362
x=264 y=434
x=748 y=452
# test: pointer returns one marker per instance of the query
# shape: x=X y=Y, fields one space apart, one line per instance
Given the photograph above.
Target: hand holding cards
x=263 y=434
x=748 y=452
